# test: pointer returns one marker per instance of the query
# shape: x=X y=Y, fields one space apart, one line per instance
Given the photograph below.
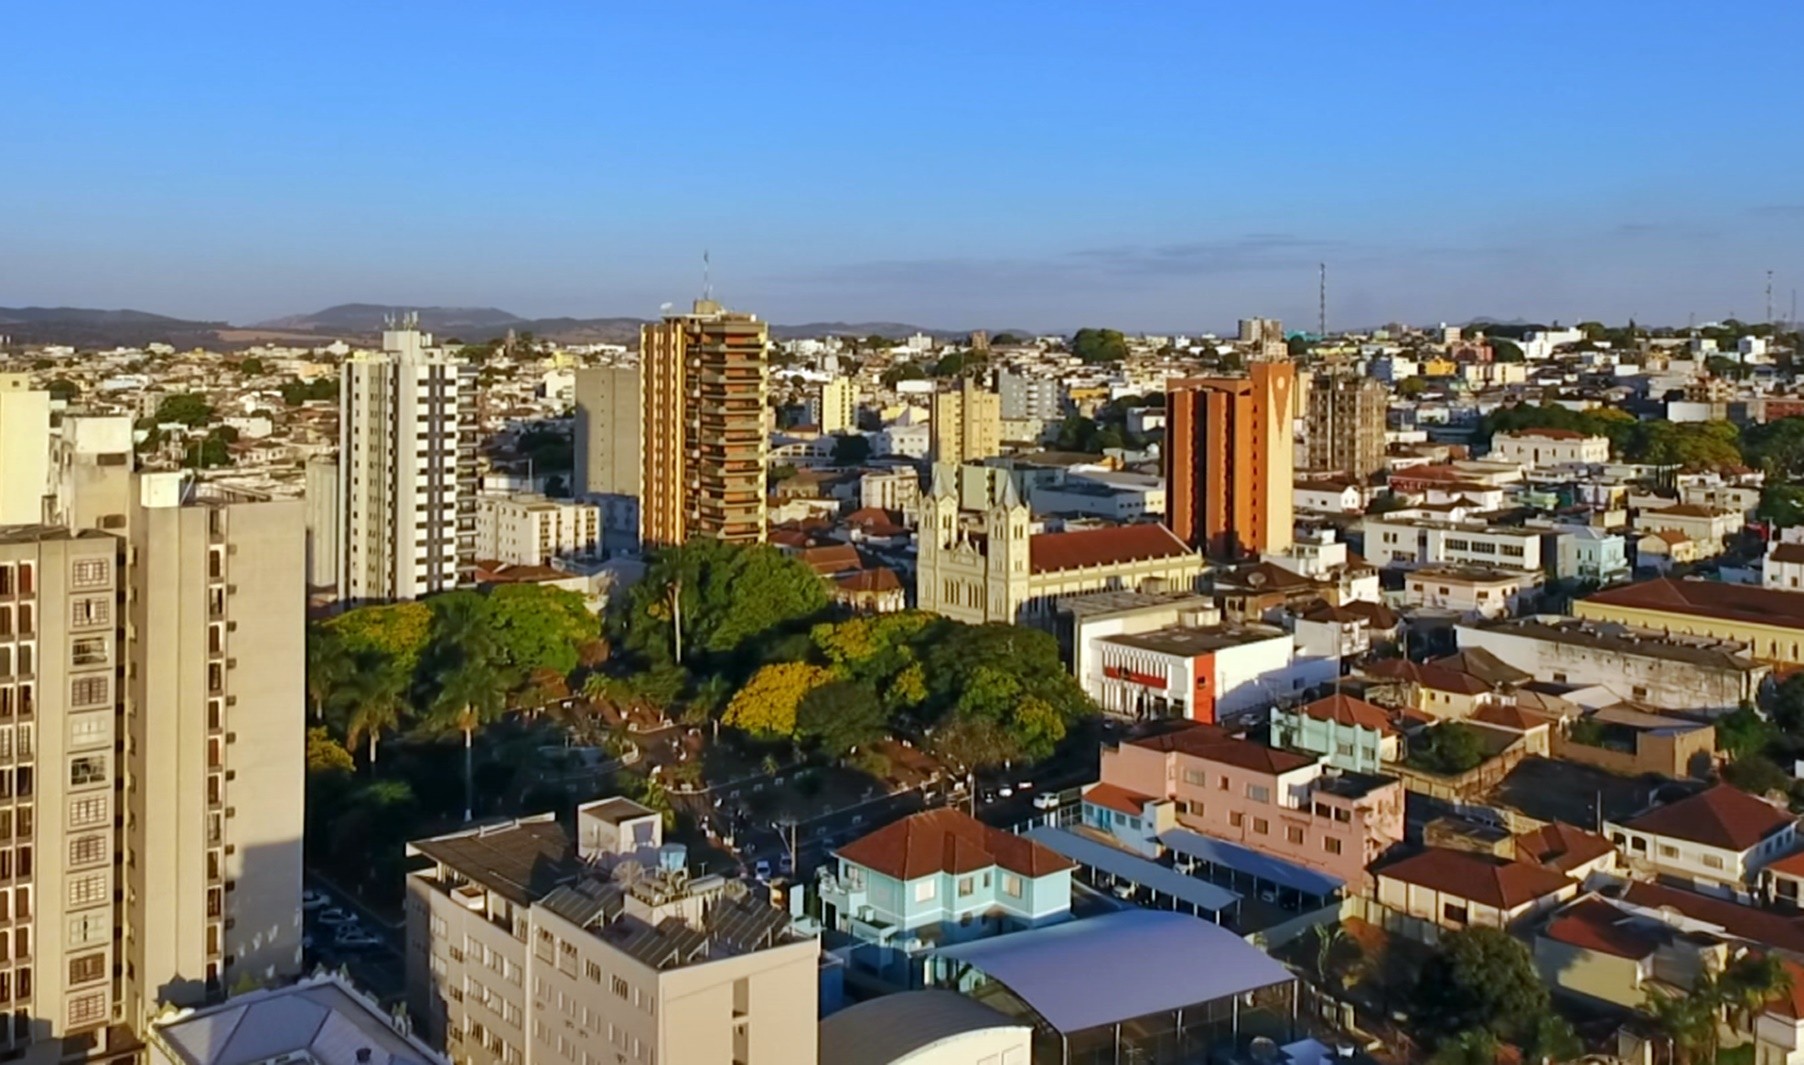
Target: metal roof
x=1251 y=862
x=1117 y=862
x=1154 y=961
x=893 y=1027
x=318 y=1017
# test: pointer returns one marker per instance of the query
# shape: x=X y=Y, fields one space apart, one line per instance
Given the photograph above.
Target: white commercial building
x=1402 y=541
x=530 y=530
x=406 y=471
x=1205 y=674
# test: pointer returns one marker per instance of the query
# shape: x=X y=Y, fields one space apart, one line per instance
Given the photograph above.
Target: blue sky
x=1153 y=166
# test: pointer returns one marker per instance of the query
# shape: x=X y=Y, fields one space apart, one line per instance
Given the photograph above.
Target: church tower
x=1008 y=566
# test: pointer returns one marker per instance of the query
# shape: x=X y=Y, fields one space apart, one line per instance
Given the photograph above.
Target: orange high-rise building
x=1228 y=460
x=702 y=391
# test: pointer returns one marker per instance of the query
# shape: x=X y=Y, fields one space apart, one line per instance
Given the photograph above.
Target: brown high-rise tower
x=702 y=391
x=1228 y=460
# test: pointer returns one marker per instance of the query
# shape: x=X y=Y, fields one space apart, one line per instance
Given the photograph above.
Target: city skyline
x=1149 y=170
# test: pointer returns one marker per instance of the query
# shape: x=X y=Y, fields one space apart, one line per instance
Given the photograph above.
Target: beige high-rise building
x=703 y=387
x=967 y=424
x=1345 y=426
x=59 y=708
x=525 y=948
x=24 y=451
x=609 y=461
x=838 y=406
x=323 y=528
x=215 y=719
x=530 y=529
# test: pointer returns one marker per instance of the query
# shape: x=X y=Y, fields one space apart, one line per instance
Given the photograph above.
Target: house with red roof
x=1718 y=840
x=1350 y=732
x=939 y=877
x=1450 y=889
x=1002 y=568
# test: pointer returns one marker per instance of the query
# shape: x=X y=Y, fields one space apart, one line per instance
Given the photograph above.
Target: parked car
x=1046 y=800
x=786 y=865
x=357 y=940
x=762 y=869
x=313 y=900
x=1025 y=785
x=1005 y=792
x=337 y=916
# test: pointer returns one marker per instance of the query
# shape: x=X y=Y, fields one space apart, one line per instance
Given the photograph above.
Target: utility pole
x=1769 y=297
x=676 y=617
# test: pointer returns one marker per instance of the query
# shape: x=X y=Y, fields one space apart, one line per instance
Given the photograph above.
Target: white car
x=357 y=940
x=762 y=869
x=313 y=900
x=1005 y=792
x=1046 y=800
x=337 y=916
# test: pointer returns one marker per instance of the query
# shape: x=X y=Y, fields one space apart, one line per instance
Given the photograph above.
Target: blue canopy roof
x=1154 y=961
x=1167 y=881
x=1251 y=862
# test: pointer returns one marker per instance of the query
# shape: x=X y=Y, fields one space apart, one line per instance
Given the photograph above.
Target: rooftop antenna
x=707 y=276
x=1321 y=314
x=1769 y=297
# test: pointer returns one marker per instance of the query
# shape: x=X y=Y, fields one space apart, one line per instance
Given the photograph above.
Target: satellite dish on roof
x=1263 y=1049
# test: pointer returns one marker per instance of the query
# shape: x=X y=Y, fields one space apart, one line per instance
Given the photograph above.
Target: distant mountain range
x=86 y=327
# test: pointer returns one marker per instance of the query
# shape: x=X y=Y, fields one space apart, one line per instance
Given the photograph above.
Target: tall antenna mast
x=707 y=276
x=1321 y=314
x=1769 y=297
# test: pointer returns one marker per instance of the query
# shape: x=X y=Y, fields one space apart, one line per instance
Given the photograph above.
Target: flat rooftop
x=1104 y=604
x=321 y=1017
x=1185 y=641
x=519 y=860
x=1626 y=639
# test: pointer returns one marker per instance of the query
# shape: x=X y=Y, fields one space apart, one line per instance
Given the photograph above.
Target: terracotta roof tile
x=1213 y=744
x=1721 y=816
x=1781 y=931
x=876 y=579
x=1480 y=878
x=1593 y=924
x=1561 y=846
x=1344 y=709
x=948 y=841
x=1711 y=599
x=1051 y=552
x=1788 y=553
x=1116 y=797
x=1438 y=678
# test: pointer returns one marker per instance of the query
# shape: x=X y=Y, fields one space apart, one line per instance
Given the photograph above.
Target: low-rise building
x=1349 y=732
x=1328 y=497
x=1350 y=630
x=1471 y=591
x=1201 y=673
x=522 y=950
x=1768 y=622
x=1585 y=553
x=1408 y=541
x=319 y=1020
x=941 y=876
x=1707 y=527
x=1717 y=840
x=1550 y=447
x=1450 y=890
x=1286 y=804
x=1647 y=665
x=1783 y=568
x=532 y=530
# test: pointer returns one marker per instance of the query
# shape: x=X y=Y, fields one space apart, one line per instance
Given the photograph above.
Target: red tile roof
x=1510 y=717
x=1546 y=434
x=1344 y=709
x=836 y=558
x=1051 y=552
x=1790 y=865
x=1721 y=816
x=1437 y=678
x=1561 y=846
x=1480 y=878
x=1781 y=931
x=1787 y=553
x=1116 y=797
x=948 y=841
x=1593 y=924
x=876 y=579
x=1790 y=1003
x=1212 y=744
x=1710 y=599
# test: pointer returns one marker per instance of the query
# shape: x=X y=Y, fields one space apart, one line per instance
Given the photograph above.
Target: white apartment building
x=898 y=489
x=530 y=530
x=407 y=470
x=323 y=529
x=1204 y=674
x=1470 y=591
x=24 y=450
x=1396 y=540
x=1717 y=840
x=1784 y=565
x=523 y=950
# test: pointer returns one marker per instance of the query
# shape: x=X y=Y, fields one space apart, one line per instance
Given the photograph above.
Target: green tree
x=1726 y=367
x=296 y=392
x=1744 y=732
x=329 y=664
x=851 y=449
x=1005 y=340
x=1099 y=345
x=400 y=632
x=1750 y=982
x=1758 y=774
x=185 y=407
x=377 y=696
x=1480 y=979
x=63 y=389
x=1778 y=448
x=1781 y=504
x=838 y=717
x=252 y=366
x=730 y=597
x=1504 y=350
x=1476 y=1047
x=1451 y=747
x=1411 y=387
x=469 y=698
x=1550 y=1040
x=1689 y=1020
x=540 y=627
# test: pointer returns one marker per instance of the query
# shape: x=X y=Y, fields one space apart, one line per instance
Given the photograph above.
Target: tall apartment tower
x=1265 y=336
x=60 y=706
x=838 y=406
x=703 y=387
x=1029 y=396
x=24 y=452
x=967 y=424
x=215 y=719
x=406 y=470
x=1345 y=427
x=1229 y=460
x=323 y=528
x=610 y=459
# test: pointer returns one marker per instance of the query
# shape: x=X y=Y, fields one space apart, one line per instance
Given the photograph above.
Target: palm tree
x=1750 y=982
x=469 y=697
x=1328 y=937
x=377 y=695
x=1550 y=1039
x=1688 y=1021
x=328 y=666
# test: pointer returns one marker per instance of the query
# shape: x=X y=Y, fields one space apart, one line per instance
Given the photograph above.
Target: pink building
x=1289 y=805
